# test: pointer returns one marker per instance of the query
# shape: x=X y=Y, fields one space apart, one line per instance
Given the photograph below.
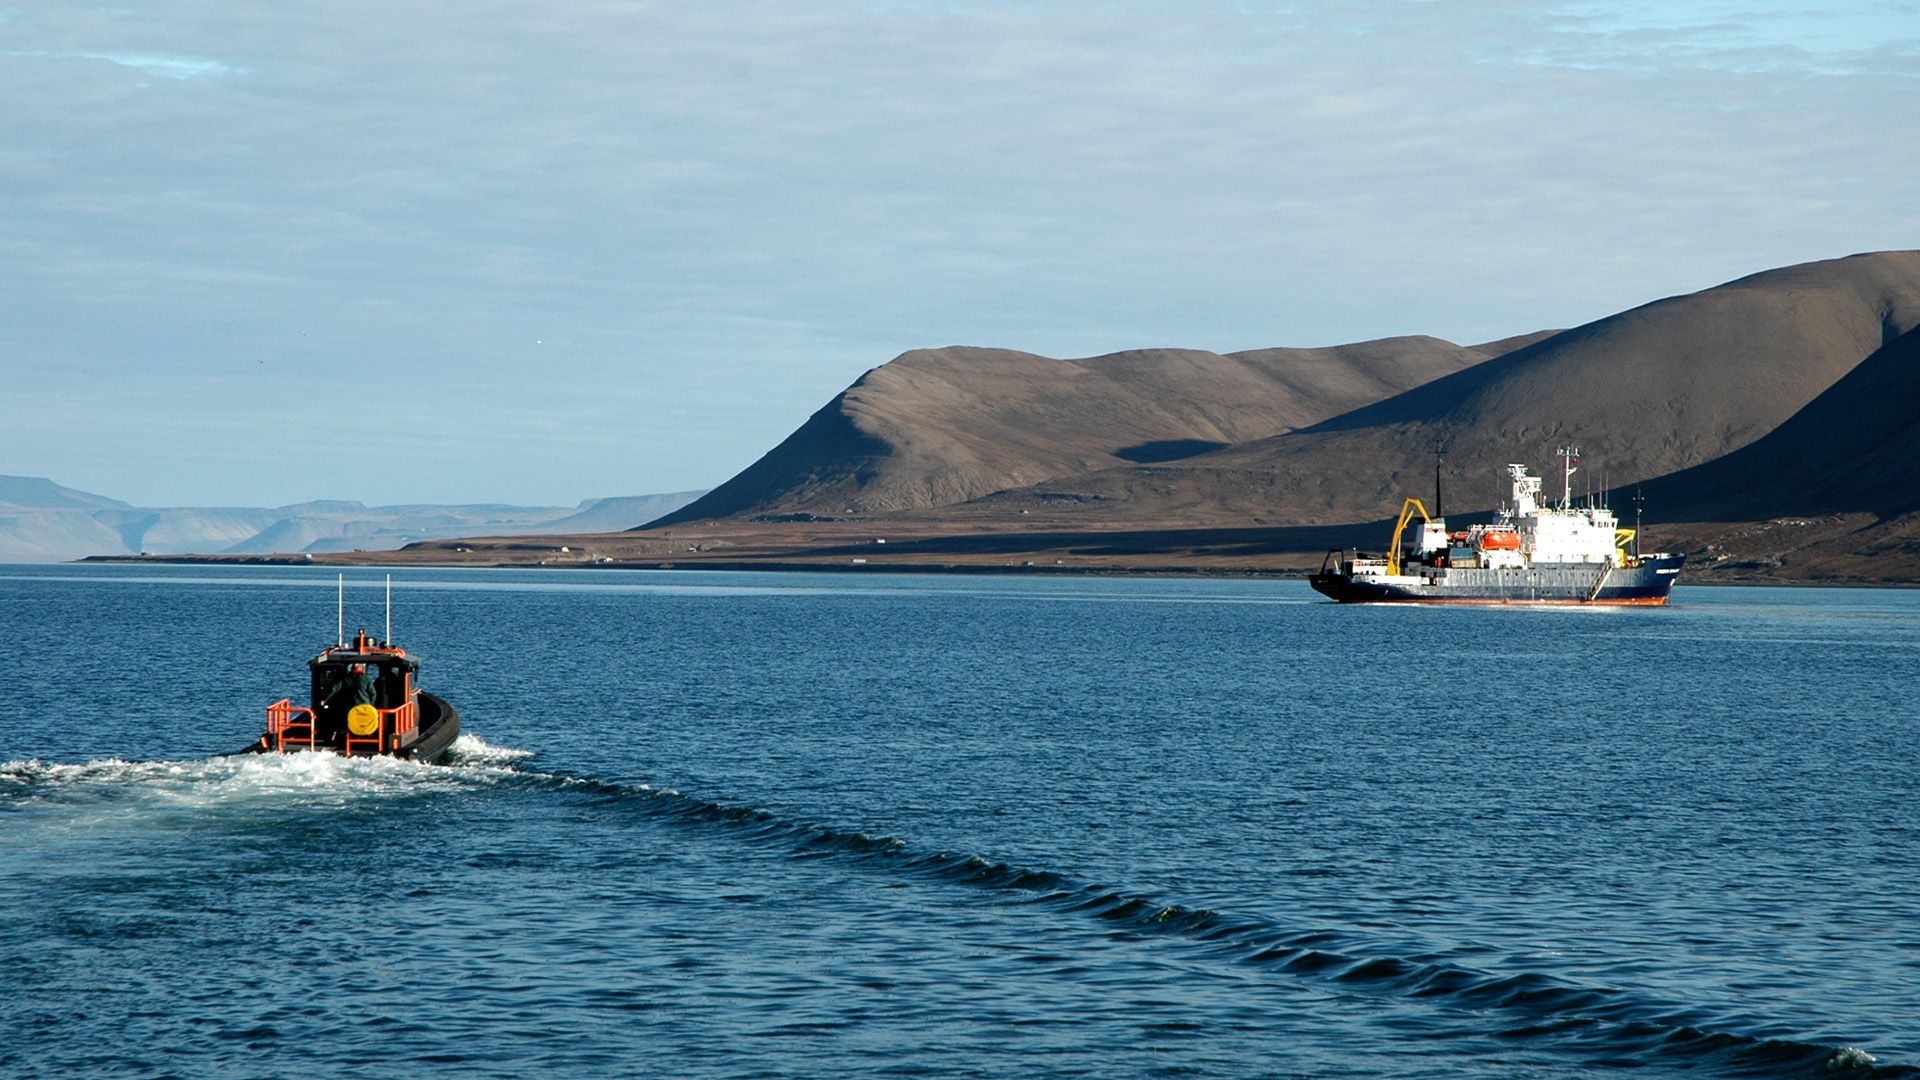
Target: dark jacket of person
x=355 y=688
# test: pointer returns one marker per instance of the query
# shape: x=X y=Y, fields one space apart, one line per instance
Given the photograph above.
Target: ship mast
x=1568 y=455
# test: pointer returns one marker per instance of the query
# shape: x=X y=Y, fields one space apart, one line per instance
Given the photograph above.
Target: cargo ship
x=1528 y=554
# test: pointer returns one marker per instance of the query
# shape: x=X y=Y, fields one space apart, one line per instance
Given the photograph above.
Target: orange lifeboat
x=1499 y=541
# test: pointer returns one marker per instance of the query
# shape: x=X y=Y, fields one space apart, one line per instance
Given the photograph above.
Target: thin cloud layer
x=592 y=248
x=173 y=67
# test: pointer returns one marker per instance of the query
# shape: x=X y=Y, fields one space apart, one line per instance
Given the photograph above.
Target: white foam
x=116 y=789
x=115 y=793
x=471 y=751
x=310 y=772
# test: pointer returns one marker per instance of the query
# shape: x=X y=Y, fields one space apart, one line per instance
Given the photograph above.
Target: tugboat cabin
x=364 y=702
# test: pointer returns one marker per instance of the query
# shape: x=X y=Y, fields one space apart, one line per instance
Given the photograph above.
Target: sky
x=535 y=253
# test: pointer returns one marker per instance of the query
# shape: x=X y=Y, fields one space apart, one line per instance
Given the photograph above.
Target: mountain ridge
x=1658 y=389
x=42 y=521
x=935 y=427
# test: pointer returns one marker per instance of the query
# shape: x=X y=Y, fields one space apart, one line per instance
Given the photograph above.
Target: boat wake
x=1619 y=1026
x=1611 y=1024
x=471 y=752
x=298 y=780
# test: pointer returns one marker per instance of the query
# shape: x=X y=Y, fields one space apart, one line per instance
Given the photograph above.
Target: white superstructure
x=1524 y=532
x=1558 y=534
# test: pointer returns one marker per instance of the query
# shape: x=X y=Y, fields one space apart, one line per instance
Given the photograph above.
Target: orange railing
x=290 y=727
x=403 y=720
x=285 y=729
x=396 y=729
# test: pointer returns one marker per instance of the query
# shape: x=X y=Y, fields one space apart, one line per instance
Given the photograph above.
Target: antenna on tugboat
x=340 y=631
x=1439 y=504
x=388 y=640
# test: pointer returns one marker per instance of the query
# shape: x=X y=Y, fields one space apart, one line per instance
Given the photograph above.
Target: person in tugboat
x=355 y=687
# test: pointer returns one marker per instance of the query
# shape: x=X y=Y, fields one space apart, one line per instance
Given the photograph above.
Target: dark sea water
x=718 y=825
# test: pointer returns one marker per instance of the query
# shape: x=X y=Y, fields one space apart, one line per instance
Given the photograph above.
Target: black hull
x=1649 y=584
x=439 y=727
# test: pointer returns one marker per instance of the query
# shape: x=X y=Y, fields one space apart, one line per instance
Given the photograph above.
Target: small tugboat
x=365 y=702
x=1528 y=554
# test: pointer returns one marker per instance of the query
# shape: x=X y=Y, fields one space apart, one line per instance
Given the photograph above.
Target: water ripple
x=1618 y=1024
x=1621 y=1024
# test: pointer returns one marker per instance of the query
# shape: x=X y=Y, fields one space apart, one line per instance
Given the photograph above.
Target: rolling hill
x=1663 y=388
x=936 y=427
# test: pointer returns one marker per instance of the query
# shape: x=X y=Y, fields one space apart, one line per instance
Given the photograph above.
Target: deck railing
x=287 y=729
x=291 y=727
x=402 y=721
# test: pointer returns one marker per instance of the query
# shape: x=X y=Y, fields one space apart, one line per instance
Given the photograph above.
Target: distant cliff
x=41 y=521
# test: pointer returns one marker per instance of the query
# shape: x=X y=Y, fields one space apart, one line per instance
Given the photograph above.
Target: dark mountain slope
x=941 y=426
x=1855 y=448
x=1664 y=387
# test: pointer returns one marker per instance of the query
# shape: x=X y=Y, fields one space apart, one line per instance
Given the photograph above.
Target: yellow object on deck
x=1406 y=514
x=363 y=719
x=1623 y=547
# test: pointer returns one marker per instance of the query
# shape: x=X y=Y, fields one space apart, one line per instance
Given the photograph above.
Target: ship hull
x=439 y=726
x=1650 y=584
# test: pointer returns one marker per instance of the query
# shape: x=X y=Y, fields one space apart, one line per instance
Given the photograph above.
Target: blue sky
x=502 y=252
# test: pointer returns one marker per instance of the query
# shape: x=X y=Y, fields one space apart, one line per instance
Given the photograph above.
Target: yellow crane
x=1407 y=511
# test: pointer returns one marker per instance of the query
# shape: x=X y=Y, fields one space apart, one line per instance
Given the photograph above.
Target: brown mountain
x=1662 y=388
x=936 y=427
x=1770 y=422
x=1854 y=449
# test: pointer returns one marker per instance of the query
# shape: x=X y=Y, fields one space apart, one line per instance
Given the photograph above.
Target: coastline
x=1846 y=551
x=905 y=568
